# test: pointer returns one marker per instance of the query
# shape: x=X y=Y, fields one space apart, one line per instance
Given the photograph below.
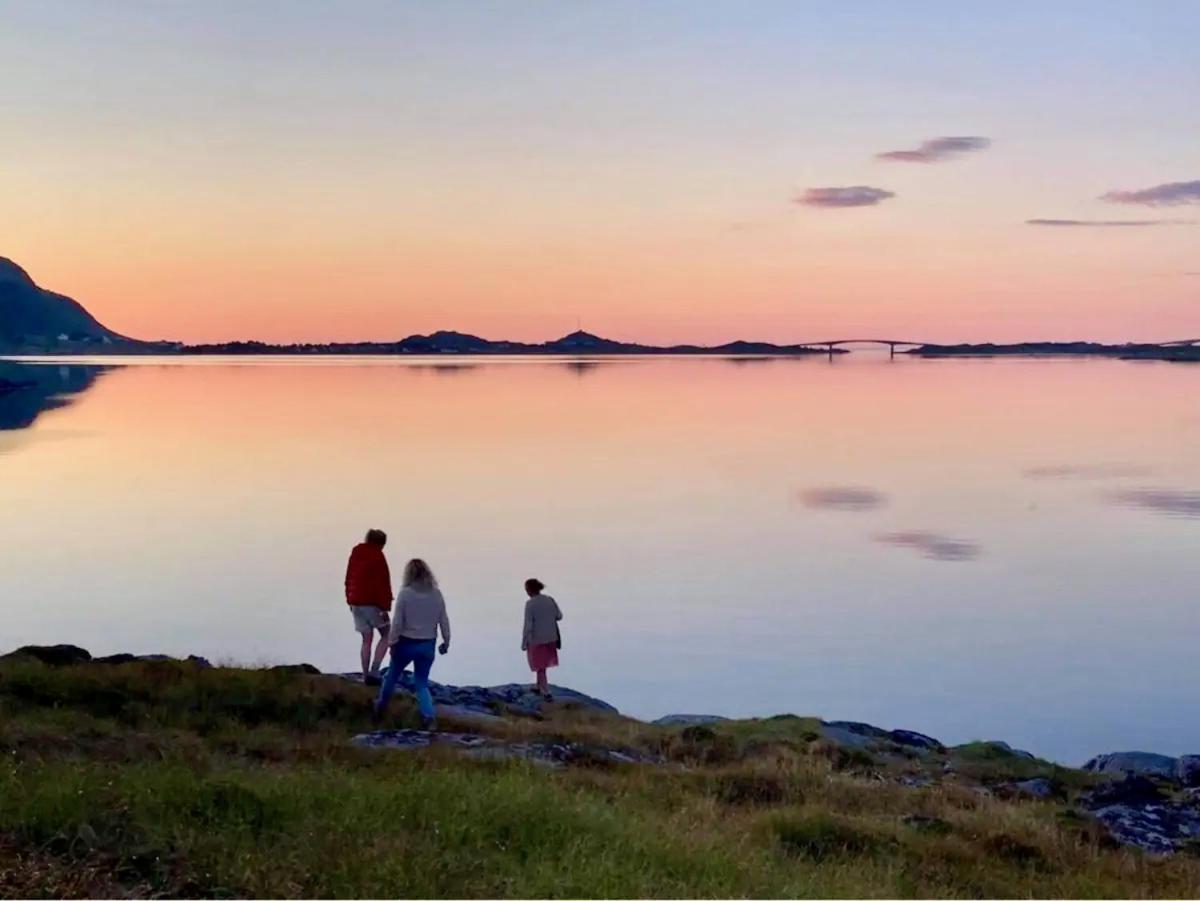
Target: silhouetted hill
x=446 y=342
x=33 y=319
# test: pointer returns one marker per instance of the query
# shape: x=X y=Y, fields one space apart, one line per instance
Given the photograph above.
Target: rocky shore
x=1140 y=799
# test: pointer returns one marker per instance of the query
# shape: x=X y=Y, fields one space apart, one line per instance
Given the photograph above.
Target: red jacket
x=368 y=579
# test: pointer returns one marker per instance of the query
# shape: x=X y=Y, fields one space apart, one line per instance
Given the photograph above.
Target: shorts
x=367 y=619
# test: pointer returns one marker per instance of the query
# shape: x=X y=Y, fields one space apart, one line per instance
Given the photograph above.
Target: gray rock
x=1132 y=790
x=1030 y=788
x=688 y=719
x=918 y=740
x=1158 y=828
x=1141 y=763
x=546 y=753
x=1139 y=811
x=864 y=735
x=1187 y=770
x=842 y=734
x=410 y=739
x=513 y=697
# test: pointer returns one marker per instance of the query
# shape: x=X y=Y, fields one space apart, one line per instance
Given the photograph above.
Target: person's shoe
x=372 y=679
x=428 y=724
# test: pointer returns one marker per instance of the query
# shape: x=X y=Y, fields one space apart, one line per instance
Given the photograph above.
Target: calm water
x=974 y=549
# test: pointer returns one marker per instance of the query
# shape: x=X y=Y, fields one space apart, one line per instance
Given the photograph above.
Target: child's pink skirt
x=542 y=656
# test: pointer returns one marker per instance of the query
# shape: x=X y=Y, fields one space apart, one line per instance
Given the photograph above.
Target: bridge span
x=890 y=343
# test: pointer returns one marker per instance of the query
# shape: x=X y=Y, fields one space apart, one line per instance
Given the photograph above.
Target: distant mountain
x=33 y=319
x=578 y=343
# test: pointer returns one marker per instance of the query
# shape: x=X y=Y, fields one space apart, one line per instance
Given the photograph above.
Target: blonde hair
x=417 y=574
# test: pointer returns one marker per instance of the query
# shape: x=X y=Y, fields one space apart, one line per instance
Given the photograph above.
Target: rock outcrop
x=1146 y=813
x=1141 y=763
x=865 y=736
x=546 y=753
x=513 y=697
x=1149 y=801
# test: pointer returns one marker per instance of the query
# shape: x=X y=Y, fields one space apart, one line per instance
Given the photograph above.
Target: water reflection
x=211 y=509
x=1166 y=501
x=1088 y=471
x=843 y=497
x=932 y=545
x=28 y=390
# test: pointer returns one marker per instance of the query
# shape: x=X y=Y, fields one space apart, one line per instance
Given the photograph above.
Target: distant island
x=1177 y=351
x=448 y=342
x=36 y=321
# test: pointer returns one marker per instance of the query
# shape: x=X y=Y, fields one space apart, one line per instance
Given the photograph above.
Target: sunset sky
x=657 y=171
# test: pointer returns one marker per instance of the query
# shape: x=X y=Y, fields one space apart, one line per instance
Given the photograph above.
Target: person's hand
x=524 y=646
x=445 y=646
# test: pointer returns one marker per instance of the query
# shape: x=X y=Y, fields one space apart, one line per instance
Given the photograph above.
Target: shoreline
x=481 y=701
x=124 y=716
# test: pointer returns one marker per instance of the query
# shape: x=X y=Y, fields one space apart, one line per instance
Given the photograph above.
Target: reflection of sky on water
x=1160 y=500
x=1067 y=471
x=212 y=505
x=932 y=545
x=843 y=497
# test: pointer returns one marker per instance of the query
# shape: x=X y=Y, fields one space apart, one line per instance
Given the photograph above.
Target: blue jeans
x=420 y=653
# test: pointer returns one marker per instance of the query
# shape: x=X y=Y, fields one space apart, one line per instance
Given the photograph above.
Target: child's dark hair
x=533 y=586
x=376 y=536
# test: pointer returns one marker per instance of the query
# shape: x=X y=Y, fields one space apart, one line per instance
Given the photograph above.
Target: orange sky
x=222 y=174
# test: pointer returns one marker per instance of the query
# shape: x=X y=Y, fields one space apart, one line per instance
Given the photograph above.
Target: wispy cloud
x=853 y=195
x=1173 y=193
x=1107 y=223
x=937 y=150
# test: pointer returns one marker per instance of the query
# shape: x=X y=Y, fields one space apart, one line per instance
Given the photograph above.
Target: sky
x=654 y=171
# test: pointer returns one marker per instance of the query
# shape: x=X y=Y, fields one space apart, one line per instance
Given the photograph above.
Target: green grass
x=167 y=780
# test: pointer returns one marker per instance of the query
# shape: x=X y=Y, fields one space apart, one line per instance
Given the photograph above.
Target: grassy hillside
x=164 y=778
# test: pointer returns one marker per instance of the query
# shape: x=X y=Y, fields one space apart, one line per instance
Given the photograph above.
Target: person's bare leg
x=542 y=682
x=380 y=651
x=365 y=654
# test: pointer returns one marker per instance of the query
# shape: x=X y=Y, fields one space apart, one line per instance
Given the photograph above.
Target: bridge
x=890 y=343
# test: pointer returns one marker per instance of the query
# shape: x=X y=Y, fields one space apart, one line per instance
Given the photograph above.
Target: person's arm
x=397 y=618
x=385 y=574
x=527 y=630
x=349 y=570
x=557 y=611
x=444 y=625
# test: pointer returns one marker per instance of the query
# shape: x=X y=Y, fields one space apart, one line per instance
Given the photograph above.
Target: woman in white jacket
x=419 y=613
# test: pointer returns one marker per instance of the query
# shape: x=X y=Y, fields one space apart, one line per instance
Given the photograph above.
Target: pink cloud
x=1172 y=193
x=937 y=150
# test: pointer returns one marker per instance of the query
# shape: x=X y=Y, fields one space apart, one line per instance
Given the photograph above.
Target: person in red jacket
x=369 y=594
